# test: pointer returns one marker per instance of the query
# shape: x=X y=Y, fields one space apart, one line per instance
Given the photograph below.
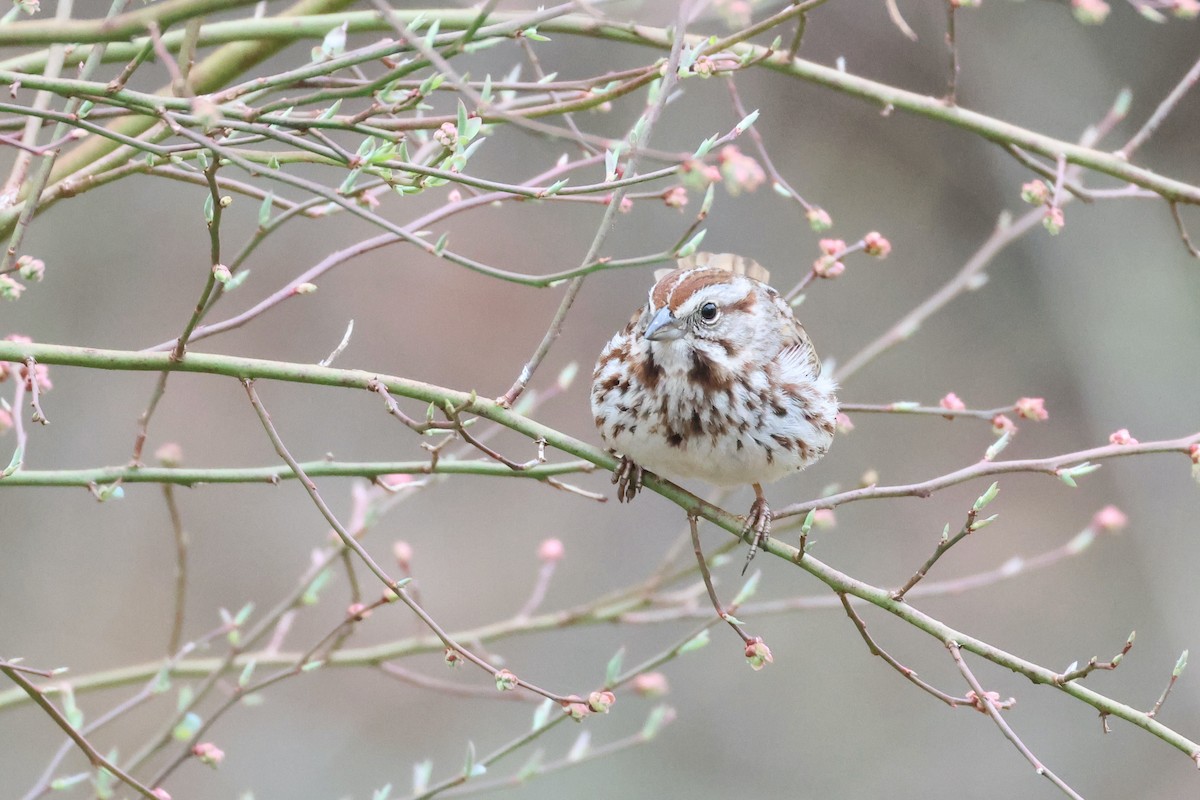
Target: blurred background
x=1100 y=320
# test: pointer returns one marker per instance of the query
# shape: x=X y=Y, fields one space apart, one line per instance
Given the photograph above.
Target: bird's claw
x=758 y=522
x=628 y=478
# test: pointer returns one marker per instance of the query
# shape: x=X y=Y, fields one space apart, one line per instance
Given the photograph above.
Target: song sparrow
x=714 y=378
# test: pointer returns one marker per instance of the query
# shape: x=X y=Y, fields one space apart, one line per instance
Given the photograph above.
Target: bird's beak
x=663 y=327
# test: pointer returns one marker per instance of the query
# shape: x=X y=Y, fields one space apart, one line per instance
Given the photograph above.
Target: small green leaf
x=382 y=793
x=331 y=111
x=14 y=463
x=236 y=280
x=613 y=671
x=706 y=146
x=746 y=122
x=264 y=210
x=186 y=695
x=580 y=748
x=542 y=714
x=531 y=767
x=247 y=673
x=187 y=727
x=422 y=772
x=60 y=784
x=748 y=588
x=695 y=643
x=706 y=205
x=71 y=711
x=533 y=35
x=655 y=721
x=162 y=680
x=208 y=208
x=982 y=501
x=691 y=245
x=1180 y=665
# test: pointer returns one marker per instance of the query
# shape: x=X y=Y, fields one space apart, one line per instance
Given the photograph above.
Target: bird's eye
x=709 y=313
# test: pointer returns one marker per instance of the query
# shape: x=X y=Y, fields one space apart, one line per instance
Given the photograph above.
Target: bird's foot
x=758 y=523
x=628 y=478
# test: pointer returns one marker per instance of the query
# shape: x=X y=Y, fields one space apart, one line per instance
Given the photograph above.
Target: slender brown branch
x=987 y=704
x=1160 y=114
x=708 y=584
x=909 y=674
x=366 y=558
x=181 y=550
x=93 y=755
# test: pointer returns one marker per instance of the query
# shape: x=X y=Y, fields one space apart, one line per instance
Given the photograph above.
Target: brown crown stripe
x=677 y=288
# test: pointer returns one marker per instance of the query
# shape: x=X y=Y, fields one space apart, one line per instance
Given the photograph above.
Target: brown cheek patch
x=692 y=282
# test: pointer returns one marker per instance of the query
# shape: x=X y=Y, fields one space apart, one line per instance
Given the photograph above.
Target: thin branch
x=988 y=706
x=708 y=584
x=908 y=674
x=1160 y=114
x=93 y=755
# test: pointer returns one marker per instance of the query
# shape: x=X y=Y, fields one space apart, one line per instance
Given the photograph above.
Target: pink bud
x=1054 y=220
x=826 y=267
x=844 y=425
x=758 y=654
x=1194 y=452
x=1036 y=193
x=741 y=172
x=601 y=702
x=18 y=338
x=831 y=247
x=357 y=611
x=1110 y=519
x=41 y=373
x=403 y=553
x=209 y=754
x=978 y=702
x=819 y=219
x=506 y=681
x=651 y=684
x=1185 y=9
x=1121 y=437
x=170 y=454
x=698 y=175
x=576 y=708
x=551 y=550
x=824 y=518
x=1032 y=408
x=951 y=403
x=1090 y=12
x=675 y=197
x=452 y=657
x=6 y=421
x=395 y=479
x=876 y=245
x=161 y=794
x=1001 y=425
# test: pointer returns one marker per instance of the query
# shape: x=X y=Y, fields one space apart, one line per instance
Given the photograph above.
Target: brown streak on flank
x=692 y=282
x=784 y=441
x=697 y=423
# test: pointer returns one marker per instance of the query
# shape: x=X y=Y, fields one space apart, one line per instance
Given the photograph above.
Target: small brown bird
x=714 y=378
